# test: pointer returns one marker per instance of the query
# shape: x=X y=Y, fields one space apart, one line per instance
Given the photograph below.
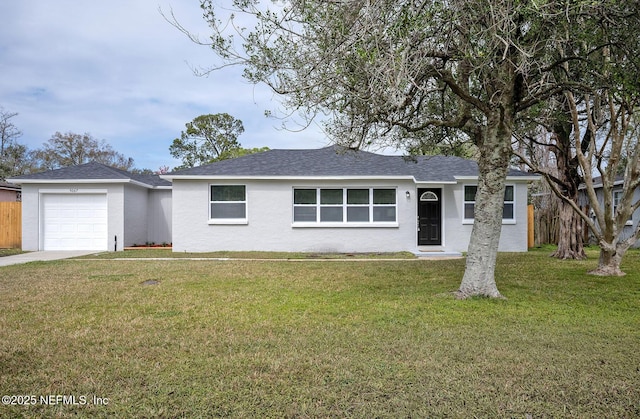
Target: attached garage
x=93 y=207
x=74 y=221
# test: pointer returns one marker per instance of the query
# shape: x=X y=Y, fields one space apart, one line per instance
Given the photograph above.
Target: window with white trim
x=469 y=205
x=228 y=202
x=617 y=197
x=344 y=205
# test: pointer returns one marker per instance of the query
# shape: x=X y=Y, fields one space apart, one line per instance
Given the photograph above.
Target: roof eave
x=527 y=178
x=600 y=185
x=19 y=181
x=171 y=178
x=436 y=182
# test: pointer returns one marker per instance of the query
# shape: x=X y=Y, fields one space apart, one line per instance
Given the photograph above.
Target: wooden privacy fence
x=10 y=225
x=545 y=219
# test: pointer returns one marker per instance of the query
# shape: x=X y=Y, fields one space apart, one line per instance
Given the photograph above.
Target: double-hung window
x=508 y=210
x=331 y=205
x=617 y=197
x=344 y=206
x=228 y=204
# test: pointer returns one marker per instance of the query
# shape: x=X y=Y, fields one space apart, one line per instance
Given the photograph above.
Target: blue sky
x=120 y=72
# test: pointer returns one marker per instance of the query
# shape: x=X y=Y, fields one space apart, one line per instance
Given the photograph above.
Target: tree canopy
x=11 y=152
x=70 y=149
x=209 y=138
x=206 y=139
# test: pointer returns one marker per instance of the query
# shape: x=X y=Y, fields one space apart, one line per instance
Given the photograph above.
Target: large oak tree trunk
x=479 y=274
x=570 y=242
x=570 y=238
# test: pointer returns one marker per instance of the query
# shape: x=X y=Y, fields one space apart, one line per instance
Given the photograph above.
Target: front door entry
x=429 y=217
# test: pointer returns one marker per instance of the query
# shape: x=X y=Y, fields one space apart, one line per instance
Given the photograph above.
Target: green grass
x=317 y=339
x=10 y=252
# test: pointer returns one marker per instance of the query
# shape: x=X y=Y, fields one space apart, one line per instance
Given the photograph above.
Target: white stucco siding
x=135 y=220
x=32 y=236
x=269 y=224
x=454 y=237
x=159 y=216
x=30 y=218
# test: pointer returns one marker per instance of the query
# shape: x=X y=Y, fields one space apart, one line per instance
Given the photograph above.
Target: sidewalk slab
x=43 y=256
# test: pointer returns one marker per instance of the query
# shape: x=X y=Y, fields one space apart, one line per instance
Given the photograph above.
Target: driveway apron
x=42 y=256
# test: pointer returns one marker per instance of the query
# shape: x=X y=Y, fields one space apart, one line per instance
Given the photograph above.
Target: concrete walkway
x=56 y=255
x=42 y=256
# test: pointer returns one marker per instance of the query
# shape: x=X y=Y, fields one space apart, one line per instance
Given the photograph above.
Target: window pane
x=228 y=210
x=507 y=211
x=304 y=196
x=382 y=214
x=331 y=196
x=384 y=196
x=357 y=196
x=617 y=195
x=227 y=193
x=508 y=193
x=429 y=196
x=329 y=214
x=469 y=211
x=470 y=194
x=358 y=214
x=304 y=214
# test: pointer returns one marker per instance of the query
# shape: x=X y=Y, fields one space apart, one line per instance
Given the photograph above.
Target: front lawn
x=10 y=252
x=380 y=338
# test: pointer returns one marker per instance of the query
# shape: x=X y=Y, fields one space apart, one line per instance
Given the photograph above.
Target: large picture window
x=508 y=211
x=228 y=202
x=344 y=205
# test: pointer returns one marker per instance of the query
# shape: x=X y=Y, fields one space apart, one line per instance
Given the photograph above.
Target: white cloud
x=119 y=71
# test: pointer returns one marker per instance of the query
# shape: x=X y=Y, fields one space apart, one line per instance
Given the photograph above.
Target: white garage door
x=74 y=221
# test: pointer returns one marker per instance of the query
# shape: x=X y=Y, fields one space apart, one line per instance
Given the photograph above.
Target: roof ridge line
x=114 y=169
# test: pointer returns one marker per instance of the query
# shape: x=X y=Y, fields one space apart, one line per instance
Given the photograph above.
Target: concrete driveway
x=42 y=256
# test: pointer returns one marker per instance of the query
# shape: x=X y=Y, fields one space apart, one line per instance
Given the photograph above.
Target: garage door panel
x=102 y=228
x=67 y=228
x=74 y=221
x=66 y=213
x=85 y=228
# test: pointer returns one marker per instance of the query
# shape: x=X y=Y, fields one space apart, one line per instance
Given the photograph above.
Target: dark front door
x=429 y=217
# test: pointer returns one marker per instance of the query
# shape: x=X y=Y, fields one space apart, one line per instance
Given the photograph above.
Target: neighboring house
x=93 y=207
x=617 y=196
x=9 y=192
x=337 y=200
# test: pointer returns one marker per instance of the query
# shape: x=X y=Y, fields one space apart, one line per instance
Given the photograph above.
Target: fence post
x=530 y=227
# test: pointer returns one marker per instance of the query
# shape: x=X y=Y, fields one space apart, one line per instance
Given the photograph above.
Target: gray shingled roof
x=338 y=161
x=93 y=171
